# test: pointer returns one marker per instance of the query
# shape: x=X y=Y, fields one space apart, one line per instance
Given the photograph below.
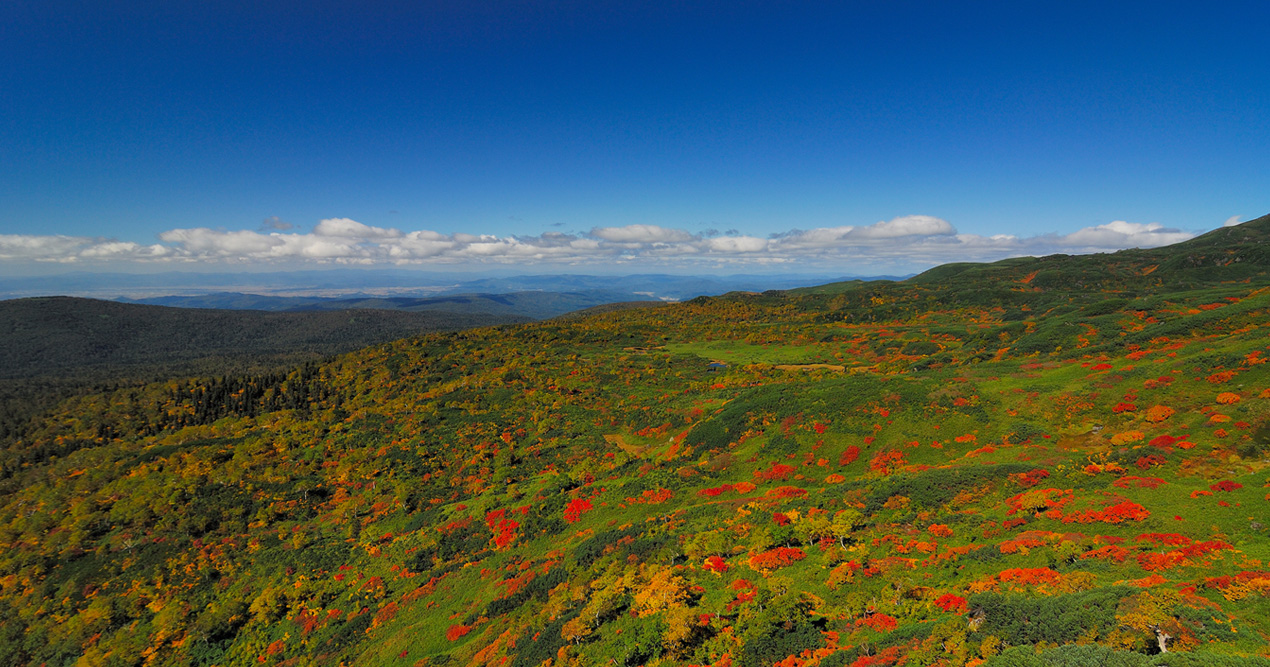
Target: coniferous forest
x=1042 y=461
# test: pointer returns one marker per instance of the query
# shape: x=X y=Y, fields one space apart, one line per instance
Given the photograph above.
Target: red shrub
x=1028 y=480
x=886 y=461
x=716 y=564
x=577 y=507
x=879 y=622
x=1139 y=482
x=776 y=558
x=952 y=603
x=779 y=471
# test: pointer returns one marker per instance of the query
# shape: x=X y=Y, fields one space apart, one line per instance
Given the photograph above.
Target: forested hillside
x=1053 y=461
x=52 y=348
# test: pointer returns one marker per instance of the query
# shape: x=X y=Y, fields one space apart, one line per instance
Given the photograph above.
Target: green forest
x=1042 y=461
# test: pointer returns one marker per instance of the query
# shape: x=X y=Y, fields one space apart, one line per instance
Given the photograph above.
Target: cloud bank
x=904 y=243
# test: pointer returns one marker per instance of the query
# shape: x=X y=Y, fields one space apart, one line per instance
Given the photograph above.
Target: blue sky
x=855 y=136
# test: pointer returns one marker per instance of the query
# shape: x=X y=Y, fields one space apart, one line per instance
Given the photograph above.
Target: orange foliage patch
x=1138 y=482
x=776 y=558
x=939 y=530
x=879 y=622
x=652 y=497
x=886 y=461
x=1221 y=377
x=1119 y=513
x=779 y=471
x=456 y=631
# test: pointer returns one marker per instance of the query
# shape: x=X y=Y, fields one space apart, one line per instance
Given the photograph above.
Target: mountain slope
x=952 y=473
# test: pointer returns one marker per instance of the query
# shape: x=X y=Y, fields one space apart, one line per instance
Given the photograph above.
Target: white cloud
x=909 y=225
x=903 y=244
x=353 y=229
x=738 y=244
x=1231 y=221
x=642 y=234
x=1121 y=234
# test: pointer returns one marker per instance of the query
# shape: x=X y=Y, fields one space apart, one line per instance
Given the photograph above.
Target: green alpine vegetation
x=1043 y=461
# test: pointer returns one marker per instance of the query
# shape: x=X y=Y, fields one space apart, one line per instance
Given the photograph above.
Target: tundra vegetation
x=1051 y=461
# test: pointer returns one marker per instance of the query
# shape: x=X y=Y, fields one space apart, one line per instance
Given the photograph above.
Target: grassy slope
x=555 y=490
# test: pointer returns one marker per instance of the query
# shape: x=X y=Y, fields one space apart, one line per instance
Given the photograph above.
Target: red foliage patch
x=1028 y=480
x=1111 y=552
x=1029 y=575
x=1138 y=482
x=952 y=603
x=1226 y=485
x=879 y=622
x=1119 y=513
x=779 y=471
x=776 y=558
x=577 y=507
x=457 y=630
x=716 y=564
x=849 y=456
x=1165 y=539
x=886 y=461
x=652 y=497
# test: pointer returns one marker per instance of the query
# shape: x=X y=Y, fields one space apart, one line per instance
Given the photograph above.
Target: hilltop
x=1042 y=461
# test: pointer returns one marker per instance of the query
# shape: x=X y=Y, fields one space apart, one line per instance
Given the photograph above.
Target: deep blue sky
x=126 y=120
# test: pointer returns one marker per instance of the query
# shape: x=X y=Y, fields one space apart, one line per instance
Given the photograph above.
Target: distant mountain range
x=367 y=284
x=533 y=305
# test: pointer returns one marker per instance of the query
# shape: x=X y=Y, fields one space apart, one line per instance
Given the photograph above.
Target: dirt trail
x=625 y=446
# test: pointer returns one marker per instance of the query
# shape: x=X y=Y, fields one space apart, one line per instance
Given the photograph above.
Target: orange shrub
x=1221 y=377
x=879 y=622
x=1158 y=413
x=1126 y=437
x=886 y=461
x=776 y=558
x=1228 y=398
x=457 y=630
